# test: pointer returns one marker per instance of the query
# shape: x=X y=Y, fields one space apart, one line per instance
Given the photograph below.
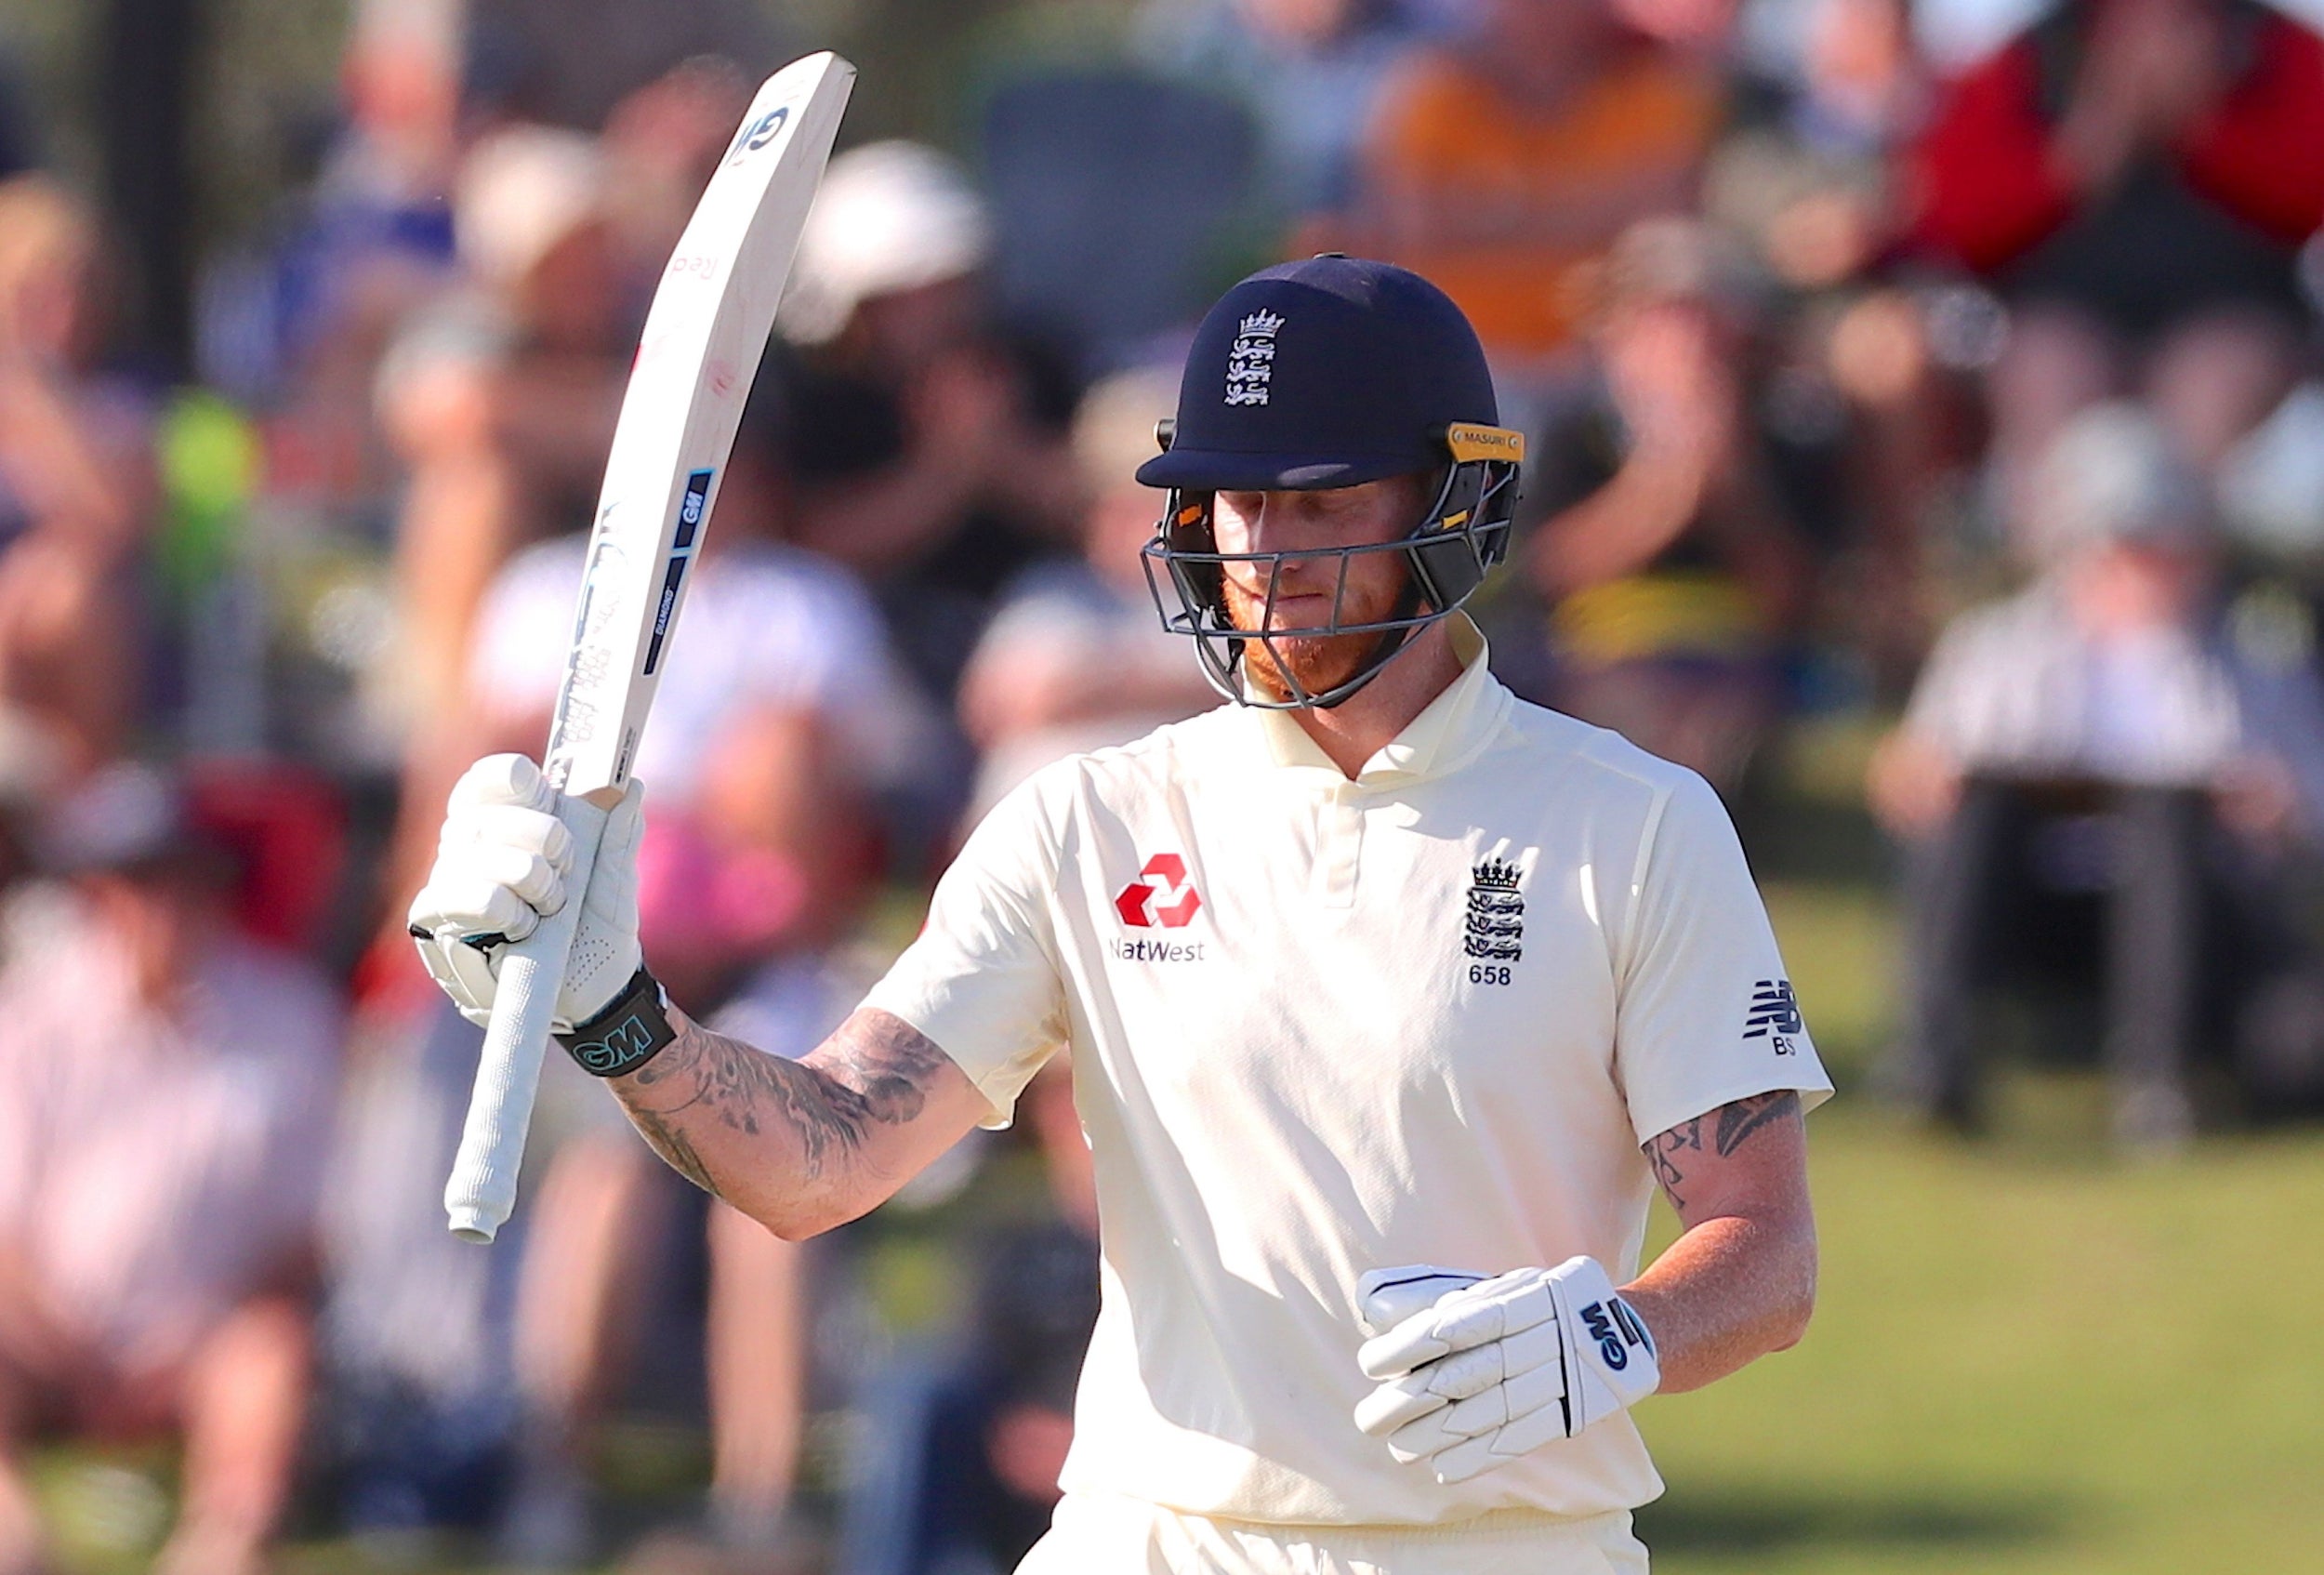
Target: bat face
x=702 y=343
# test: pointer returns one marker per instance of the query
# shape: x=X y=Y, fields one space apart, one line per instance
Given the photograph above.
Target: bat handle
x=483 y=1186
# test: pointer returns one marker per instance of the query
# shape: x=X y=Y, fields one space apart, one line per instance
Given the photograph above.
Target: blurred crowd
x=1944 y=377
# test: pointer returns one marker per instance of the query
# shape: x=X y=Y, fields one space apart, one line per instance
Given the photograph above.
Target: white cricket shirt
x=1322 y=1025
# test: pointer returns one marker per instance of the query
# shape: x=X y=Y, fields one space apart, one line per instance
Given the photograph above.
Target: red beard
x=1319 y=662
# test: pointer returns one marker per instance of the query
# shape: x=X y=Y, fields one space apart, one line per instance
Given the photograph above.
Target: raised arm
x=797 y=1145
x=1741 y=1281
x=802 y=1146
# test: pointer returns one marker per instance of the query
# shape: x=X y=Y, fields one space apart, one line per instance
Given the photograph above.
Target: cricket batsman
x=1390 y=997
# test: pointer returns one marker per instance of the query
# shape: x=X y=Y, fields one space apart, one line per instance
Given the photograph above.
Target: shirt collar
x=1447 y=733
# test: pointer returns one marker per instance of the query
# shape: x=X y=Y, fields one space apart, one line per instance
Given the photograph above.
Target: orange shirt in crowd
x=1496 y=200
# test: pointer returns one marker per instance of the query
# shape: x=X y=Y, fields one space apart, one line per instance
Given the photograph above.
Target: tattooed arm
x=802 y=1146
x=1741 y=1281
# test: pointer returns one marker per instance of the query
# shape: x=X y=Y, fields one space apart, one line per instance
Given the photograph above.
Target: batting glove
x=1477 y=1372
x=501 y=863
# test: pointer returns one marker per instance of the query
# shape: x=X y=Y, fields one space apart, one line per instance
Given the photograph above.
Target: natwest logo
x=1161 y=895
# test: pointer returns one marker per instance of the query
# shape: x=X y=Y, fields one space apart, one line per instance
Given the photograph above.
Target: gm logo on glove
x=1475 y=1373
x=1614 y=1329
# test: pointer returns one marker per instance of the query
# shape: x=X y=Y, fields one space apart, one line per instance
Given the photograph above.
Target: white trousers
x=1109 y=1536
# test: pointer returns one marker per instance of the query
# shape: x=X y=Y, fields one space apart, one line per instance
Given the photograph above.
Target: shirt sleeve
x=1705 y=1013
x=983 y=982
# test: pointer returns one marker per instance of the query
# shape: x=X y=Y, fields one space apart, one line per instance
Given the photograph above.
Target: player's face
x=1304 y=587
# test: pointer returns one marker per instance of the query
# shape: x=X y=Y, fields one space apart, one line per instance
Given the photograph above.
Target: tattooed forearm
x=1679 y=1150
x=1739 y=1120
x=1666 y=1152
x=707 y=1092
x=706 y=1076
x=671 y=1144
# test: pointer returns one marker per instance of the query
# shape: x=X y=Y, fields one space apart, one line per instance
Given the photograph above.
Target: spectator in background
x=1826 y=90
x=779 y=640
x=930 y=447
x=2094 y=692
x=1076 y=657
x=573 y=62
x=502 y=399
x=1310 y=72
x=166 y=1086
x=297 y=325
x=76 y=492
x=662 y=143
x=2269 y=990
x=888 y=272
x=2135 y=176
x=2142 y=159
x=1855 y=389
x=1495 y=166
x=284 y=504
x=1673 y=569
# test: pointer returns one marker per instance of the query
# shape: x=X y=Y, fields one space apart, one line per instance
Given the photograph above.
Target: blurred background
x=1928 y=423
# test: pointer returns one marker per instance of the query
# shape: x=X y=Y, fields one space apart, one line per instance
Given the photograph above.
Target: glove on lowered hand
x=1486 y=1370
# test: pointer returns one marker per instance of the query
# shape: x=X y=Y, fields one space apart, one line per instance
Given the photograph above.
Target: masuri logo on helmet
x=1337 y=371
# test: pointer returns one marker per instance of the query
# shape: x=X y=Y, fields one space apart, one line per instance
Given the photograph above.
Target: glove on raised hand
x=1482 y=1371
x=501 y=863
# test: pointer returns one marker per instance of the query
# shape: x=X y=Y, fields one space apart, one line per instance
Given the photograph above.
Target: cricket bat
x=704 y=335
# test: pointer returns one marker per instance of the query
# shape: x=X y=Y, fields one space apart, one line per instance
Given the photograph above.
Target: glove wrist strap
x=627 y=1034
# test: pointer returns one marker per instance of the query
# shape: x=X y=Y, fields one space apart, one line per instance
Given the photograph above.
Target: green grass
x=2024 y=1362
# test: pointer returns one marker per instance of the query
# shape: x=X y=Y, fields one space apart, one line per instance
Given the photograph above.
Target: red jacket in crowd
x=1987 y=182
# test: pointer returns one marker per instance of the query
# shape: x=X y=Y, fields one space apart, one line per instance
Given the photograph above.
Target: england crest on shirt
x=1494 y=927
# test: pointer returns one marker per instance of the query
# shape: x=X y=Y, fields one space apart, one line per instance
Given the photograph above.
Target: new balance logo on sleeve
x=1775 y=1009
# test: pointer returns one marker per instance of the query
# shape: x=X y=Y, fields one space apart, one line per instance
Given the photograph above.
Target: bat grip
x=483 y=1184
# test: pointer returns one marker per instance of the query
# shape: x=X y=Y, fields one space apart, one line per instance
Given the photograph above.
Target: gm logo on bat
x=760 y=132
x=691 y=507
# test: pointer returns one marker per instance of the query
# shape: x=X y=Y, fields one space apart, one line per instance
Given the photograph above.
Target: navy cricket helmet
x=1330 y=373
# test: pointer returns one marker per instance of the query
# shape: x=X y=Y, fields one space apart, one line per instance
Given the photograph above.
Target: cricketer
x=1391 y=999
